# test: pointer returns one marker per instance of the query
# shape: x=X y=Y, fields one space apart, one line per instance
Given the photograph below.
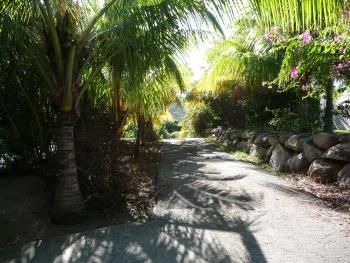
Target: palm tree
x=294 y=16
x=69 y=42
x=242 y=63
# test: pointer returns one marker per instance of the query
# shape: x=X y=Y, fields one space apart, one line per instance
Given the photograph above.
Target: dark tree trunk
x=120 y=111
x=328 y=112
x=68 y=205
x=140 y=129
x=303 y=112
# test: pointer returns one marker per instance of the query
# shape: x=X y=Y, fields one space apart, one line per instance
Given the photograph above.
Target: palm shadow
x=193 y=206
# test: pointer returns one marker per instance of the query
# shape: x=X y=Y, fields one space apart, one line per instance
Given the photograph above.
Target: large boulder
x=324 y=171
x=340 y=152
x=344 y=138
x=273 y=140
x=325 y=140
x=344 y=176
x=283 y=137
x=245 y=135
x=262 y=140
x=297 y=163
x=310 y=151
x=279 y=157
x=268 y=154
x=243 y=146
x=232 y=135
x=257 y=151
x=295 y=142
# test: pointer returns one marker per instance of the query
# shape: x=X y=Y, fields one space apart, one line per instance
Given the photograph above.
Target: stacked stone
x=325 y=157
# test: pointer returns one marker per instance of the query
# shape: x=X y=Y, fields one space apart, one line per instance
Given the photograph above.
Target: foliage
x=168 y=129
x=314 y=58
x=200 y=120
x=299 y=15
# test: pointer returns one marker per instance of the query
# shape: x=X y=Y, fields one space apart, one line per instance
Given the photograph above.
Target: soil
x=25 y=205
x=332 y=195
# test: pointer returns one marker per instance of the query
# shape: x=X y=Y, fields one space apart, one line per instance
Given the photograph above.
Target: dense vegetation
x=75 y=75
x=277 y=73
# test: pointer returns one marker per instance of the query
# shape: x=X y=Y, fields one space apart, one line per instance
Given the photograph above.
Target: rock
x=233 y=143
x=338 y=152
x=257 y=151
x=243 y=146
x=248 y=135
x=344 y=176
x=283 y=137
x=273 y=140
x=295 y=142
x=310 y=151
x=297 y=163
x=262 y=140
x=344 y=138
x=268 y=154
x=325 y=140
x=324 y=171
x=218 y=131
x=231 y=135
x=279 y=157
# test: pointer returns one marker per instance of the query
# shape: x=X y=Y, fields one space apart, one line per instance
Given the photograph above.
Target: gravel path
x=211 y=208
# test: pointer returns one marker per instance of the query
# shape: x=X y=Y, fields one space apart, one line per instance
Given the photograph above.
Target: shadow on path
x=194 y=215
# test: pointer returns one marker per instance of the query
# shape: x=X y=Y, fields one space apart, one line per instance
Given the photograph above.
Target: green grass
x=243 y=156
x=342 y=131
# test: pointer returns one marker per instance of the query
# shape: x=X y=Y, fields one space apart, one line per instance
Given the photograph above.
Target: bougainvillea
x=312 y=56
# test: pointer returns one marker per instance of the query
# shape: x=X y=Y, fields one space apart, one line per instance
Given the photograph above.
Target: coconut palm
x=69 y=42
x=299 y=15
x=243 y=62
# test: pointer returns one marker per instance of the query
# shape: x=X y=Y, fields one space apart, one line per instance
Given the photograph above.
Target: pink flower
x=268 y=37
x=307 y=37
x=294 y=73
x=275 y=29
x=337 y=39
x=340 y=66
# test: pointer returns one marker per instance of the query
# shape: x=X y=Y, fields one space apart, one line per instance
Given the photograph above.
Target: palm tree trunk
x=68 y=205
x=328 y=112
x=139 y=135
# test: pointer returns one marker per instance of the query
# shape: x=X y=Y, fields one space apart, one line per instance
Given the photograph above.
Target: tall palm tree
x=70 y=41
x=298 y=15
x=243 y=62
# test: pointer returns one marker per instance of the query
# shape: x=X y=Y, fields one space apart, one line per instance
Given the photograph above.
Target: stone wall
x=325 y=157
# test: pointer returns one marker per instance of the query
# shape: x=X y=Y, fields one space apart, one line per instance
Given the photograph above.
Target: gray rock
x=344 y=138
x=257 y=151
x=325 y=140
x=283 y=137
x=268 y=155
x=233 y=143
x=273 y=140
x=344 y=176
x=218 y=131
x=295 y=142
x=324 y=171
x=338 y=152
x=279 y=157
x=248 y=135
x=297 y=163
x=262 y=140
x=243 y=146
x=311 y=152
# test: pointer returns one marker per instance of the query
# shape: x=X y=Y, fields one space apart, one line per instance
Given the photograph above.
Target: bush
x=202 y=119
